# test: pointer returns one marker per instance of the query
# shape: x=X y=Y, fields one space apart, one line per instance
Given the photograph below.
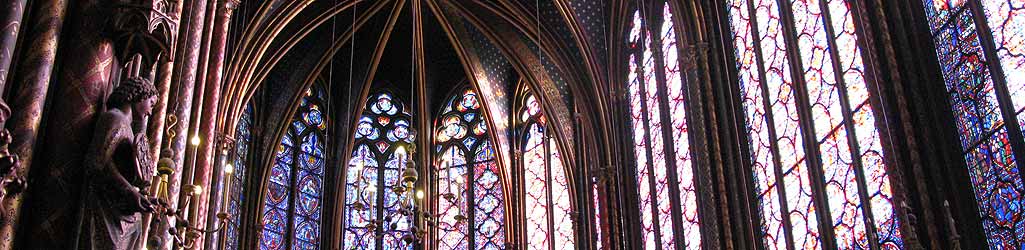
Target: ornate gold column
x=49 y=222
x=206 y=156
x=10 y=18
x=29 y=85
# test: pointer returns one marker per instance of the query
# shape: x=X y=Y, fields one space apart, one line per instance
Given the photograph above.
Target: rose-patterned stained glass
x=659 y=176
x=292 y=207
x=243 y=138
x=471 y=208
x=971 y=78
x=371 y=206
x=549 y=205
x=844 y=126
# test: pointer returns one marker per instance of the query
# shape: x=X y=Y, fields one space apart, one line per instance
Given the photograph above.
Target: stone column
x=188 y=170
x=49 y=222
x=10 y=18
x=165 y=70
x=185 y=79
x=206 y=156
x=29 y=87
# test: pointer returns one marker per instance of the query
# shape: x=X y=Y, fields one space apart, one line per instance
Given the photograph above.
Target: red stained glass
x=469 y=180
x=548 y=201
x=833 y=73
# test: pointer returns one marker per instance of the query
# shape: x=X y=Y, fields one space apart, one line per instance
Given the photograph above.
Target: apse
x=512 y=124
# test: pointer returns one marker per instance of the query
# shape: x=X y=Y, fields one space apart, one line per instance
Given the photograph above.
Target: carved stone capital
x=225 y=143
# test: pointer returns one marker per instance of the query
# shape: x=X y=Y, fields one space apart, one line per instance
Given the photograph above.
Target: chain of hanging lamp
x=406 y=190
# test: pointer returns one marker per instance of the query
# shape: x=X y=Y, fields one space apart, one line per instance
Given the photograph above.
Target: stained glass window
x=664 y=165
x=372 y=206
x=243 y=138
x=292 y=207
x=471 y=208
x=549 y=207
x=981 y=52
x=847 y=146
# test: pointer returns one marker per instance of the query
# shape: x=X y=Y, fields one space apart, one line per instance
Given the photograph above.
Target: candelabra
x=409 y=199
x=184 y=235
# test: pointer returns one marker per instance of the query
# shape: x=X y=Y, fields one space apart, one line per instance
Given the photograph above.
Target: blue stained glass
x=469 y=142
x=301 y=202
x=974 y=93
x=384 y=115
x=243 y=135
x=460 y=169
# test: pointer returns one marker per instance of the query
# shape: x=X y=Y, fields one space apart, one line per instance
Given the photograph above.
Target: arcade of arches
x=512 y=124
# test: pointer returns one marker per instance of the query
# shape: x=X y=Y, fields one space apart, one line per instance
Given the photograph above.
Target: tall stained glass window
x=549 y=207
x=470 y=211
x=658 y=100
x=848 y=159
x=372 y=207
x=292 y=207
x=980 y=45
x=243 y=138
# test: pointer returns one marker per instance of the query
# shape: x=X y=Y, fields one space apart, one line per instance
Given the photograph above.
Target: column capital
x=229 y=6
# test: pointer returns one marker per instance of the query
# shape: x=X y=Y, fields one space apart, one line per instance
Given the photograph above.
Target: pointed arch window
x=979 y=44
x=240 y=162
x=549 y=206
x=666 y=182
x=837 y=193
x=372 y=207
x=292 y=207
x=471 y=208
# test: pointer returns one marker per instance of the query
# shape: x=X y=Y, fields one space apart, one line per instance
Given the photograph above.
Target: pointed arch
x=371 y=205
x=292 y=208
x=548 y=200
x=469 y=180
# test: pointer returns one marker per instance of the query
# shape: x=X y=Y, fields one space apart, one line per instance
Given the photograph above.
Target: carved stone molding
x=145 y=28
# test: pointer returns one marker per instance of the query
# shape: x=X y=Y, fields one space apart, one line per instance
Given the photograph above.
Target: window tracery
x=665 y=171
x=471 y=210
x=847 y=167
x=292 y=207
x=371 y=206
x=549 y=206
x=982 y=58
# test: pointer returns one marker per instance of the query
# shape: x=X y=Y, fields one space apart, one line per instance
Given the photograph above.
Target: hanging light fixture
x=408 y=195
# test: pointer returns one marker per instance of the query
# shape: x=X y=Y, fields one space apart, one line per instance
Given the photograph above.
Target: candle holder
x=184 y=234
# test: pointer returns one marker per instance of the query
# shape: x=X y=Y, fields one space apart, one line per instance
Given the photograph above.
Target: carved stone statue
x=118 y=169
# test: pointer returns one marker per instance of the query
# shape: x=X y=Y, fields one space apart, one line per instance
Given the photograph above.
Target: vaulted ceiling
x=284 y=46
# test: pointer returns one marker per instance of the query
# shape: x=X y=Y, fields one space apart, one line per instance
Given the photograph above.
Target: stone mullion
x=668 y=149
x=852 y=139
x=643 y=93
x=867 y=36
x=771 y=127
x=1006 y=105
x=813 y=155
x=722 y=84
